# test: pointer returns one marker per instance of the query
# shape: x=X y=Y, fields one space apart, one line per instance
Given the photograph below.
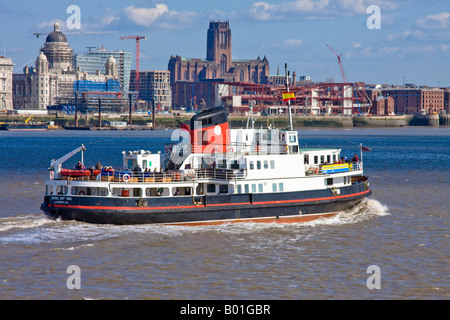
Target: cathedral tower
x=218 y=46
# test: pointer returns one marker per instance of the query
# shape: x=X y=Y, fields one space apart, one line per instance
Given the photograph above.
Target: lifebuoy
x=126 y=177
x=214 y=151
x=52 y=174
x=230 y=150
x=81 y=193
x=360 y=166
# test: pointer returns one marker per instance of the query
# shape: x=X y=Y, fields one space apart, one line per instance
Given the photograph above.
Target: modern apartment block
x=6 y=72
x=93 y=62
x=154 y=87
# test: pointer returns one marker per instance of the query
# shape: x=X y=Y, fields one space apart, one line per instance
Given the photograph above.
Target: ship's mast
x=291 y=127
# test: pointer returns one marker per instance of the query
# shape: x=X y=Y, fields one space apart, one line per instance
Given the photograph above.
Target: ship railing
x=240 y=149
x=174 y=176
x=215 y=174
x=333 y=168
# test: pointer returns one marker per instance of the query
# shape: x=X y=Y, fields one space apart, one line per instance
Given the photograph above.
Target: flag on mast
x=288 y=96
x=184 y=126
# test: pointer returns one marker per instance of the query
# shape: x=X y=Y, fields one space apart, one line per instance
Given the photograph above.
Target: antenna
x=291 y=127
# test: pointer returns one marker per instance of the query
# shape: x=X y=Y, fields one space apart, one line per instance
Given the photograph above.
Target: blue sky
x=412 y=45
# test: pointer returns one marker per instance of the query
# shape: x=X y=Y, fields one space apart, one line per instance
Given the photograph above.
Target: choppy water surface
x=403 y=228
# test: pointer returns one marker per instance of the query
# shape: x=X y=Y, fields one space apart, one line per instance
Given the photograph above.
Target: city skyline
x=411 y=46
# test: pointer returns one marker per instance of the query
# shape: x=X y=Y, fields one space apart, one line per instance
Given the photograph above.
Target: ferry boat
x=212 y=175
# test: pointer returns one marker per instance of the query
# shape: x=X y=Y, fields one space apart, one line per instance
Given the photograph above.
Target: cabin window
x=328 y=158
x=329 y=181
x=280 y=186
x=137 y=192
x=266 y=164
x=334 y=158
x=200 y=189
x=322 y=159
x=252 y=165
x=234 y=164
x=144 y=164
x=222 y=164
x=306 y=159
x=62 y=189
x=157 y=192
x=253 y=188
x=206 y=121
x=272 y=164
x=260 y=187
x=258 y=165
x=239 y=188
x=183 y=191
x=292 y=139
x=223 y=188
x=81 y=191
x=246 y=188
x=210 y=188
x=274 y=187
x=316 y=159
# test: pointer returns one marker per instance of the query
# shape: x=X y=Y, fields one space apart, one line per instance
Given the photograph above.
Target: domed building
x=54 y=76
x=57 y=50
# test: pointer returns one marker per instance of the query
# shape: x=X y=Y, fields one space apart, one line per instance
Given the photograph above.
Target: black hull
x=289 y=207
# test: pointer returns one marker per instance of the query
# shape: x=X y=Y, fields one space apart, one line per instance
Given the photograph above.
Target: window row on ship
x=199 y=189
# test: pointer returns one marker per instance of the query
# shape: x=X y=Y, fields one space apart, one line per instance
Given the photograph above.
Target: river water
x=402 y=230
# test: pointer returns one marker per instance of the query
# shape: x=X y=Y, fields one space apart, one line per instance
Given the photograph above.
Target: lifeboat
x=79 y=173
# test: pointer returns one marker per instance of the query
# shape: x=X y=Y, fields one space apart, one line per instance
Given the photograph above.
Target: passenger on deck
x=137 y=169
x=355 y=158
x=79 y=166
x=98 y=166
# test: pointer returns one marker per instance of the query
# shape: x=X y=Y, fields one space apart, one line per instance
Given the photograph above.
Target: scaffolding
x=320 y=98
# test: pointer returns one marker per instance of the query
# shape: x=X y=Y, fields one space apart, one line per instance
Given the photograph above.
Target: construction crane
x=344 y=79
x=138 y=39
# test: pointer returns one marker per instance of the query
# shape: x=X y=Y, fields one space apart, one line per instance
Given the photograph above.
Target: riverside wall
x=299 y=122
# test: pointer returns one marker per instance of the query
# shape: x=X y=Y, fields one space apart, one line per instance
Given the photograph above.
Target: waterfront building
x=94 y=61
x=219 y=63
x=447 y=100
x=57 y=51
x=412 y=100
x=6 y=72
x=54 y=76
x=154 y=87
x=219 y=66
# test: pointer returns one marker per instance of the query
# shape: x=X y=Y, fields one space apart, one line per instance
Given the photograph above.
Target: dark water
x=403 y=229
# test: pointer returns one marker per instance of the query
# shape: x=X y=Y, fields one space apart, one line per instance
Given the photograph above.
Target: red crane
x=340 y=64
x=138 y=39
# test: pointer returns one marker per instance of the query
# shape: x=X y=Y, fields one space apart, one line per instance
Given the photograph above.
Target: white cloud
x=315 y=9
x=434 y=21
x=289 y=43
x=263 y=11
x=107 y=20
x=145 y=16
x=51 y=23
